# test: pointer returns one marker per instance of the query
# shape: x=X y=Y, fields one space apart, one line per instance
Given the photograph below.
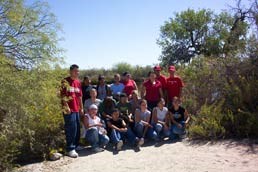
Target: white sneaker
x=119 y=145
x=72 y=154
x=141 y=142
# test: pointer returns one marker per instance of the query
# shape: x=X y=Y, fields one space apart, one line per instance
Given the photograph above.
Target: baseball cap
x=157 y=68
x=93 y=106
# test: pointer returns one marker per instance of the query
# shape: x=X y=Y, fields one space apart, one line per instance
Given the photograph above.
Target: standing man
x=71 y=95
x=174 y=85
x=161 y=78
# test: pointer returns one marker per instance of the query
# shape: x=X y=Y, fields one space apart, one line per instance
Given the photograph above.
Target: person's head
x=143 y=104
x=74 y=71
x=93 y=93
x=117 y=78
x=176 y=102
x=152 y=76
x=86 y=80
x=115 y=114
x=126 y=76
x=172 y=70
x=93 y=110
x=123 y=98
x=101 y=80
x=135 y=94
x=108 y=103
x=161 y=103
x=157 y=70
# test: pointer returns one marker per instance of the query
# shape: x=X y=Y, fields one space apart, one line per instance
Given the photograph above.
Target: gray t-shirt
x=89 y=102
x=144 y=115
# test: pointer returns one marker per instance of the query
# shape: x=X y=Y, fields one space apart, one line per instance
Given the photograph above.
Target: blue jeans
x=72 y=130
x=116 y=136
x=139 y=129
x=161 y=132
x=175 y=131
x=96 y=139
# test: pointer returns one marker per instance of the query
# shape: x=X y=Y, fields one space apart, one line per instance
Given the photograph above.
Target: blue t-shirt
x=117 y=88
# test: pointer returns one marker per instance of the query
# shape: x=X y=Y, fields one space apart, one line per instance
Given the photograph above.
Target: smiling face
x=93 y=112
x=143 y=105
x=152 y=76
x=93 y=93
x=161 y=103
x=176 y=102
x=117 y=78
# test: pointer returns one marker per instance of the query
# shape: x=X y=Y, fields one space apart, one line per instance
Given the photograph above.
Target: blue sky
x=101 y=33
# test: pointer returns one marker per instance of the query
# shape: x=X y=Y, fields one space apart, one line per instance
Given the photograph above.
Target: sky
x=102 y=33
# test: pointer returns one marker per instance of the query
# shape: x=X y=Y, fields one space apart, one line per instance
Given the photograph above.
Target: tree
x=191 y=33
x=28 y=34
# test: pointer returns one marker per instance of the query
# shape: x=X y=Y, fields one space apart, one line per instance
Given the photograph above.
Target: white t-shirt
x=91 y=122
x=161 y=114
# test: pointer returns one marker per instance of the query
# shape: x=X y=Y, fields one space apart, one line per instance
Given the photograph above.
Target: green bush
x=233 y=81
x=31 y=122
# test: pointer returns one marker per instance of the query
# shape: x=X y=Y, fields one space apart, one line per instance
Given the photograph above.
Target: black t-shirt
x=118 y=123
x=179 y=114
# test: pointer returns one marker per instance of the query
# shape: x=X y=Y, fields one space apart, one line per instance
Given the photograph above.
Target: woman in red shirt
x=152 y=90
x=129 y=84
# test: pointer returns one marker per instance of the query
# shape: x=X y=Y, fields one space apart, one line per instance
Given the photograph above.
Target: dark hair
x=74 y=66
x=123 y=95
x=115 y=110
x=142 y=101
x=151 y=72
x=86 y=77
x=125 y=73
x=101 y=77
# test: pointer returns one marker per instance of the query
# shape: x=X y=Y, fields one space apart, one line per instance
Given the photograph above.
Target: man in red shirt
x=71 y=95
x=161 y=78
x=174 y=85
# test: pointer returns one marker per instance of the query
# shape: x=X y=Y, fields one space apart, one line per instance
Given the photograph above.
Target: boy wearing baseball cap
x=174 y=84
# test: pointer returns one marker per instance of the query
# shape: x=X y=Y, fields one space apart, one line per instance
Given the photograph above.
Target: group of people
x=121 y=113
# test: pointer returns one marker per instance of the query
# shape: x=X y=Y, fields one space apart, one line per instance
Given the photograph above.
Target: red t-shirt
x=129 y=87
x=73 y=92
x=162 y=79
x=152 y=90
x=173 y=87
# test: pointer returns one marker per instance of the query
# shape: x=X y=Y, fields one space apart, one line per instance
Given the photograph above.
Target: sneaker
x=141 y=142
x=72 y=154
x=98 y=149
x=119 y=145
x=79 y=148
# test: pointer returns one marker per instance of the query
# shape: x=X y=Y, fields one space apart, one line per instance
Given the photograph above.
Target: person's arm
x=154 y=116
x=81 y=106
x=87 y=125
x=181 y=85
x=187 y=117
x=113 y=126
x=105 y=115
x=143 y=92
x=137 y=116
x=161 y=92
x=174 y=121
x=135 y=85
x=64 y=97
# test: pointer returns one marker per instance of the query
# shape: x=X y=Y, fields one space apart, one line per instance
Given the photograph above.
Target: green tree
x=28 y=33
x=192 y=33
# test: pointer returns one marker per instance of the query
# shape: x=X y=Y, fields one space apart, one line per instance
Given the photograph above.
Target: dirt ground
x=185 y=156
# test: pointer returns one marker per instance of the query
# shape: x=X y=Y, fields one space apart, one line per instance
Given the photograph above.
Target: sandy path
x=223 y=156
